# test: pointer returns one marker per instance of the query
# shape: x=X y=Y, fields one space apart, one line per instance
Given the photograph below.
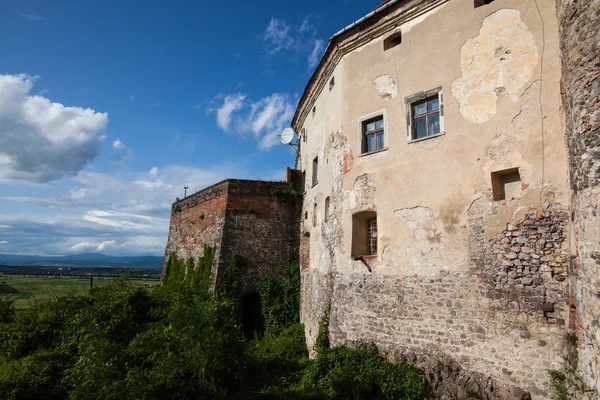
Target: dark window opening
x=303 y=133
x=392 y=41
x=506 y=184
x=426 y=117
x=303 y=181
x=332 y=82
x=327 y=200
x=314 y=221
x=373 y=135
x=315 y=171
x=314 y=110
x=479 y=3
x=364 y=234
x=252 y=320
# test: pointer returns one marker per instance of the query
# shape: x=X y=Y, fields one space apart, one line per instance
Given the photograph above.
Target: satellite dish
x=287 y=136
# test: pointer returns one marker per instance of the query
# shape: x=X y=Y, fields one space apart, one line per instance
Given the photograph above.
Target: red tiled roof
x=381 y=5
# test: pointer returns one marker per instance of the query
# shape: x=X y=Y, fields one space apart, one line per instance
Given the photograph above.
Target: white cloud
x=231 y=104
x=42 y=141
x=308 y=25
x=277 y=37
x=153 y=172
x=121 y=153
x=313 y=58
x=263 y=119
x=3 y=242
x=117 y=144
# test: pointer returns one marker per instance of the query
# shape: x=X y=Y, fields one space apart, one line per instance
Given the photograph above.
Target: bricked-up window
x=315 y=171
x=479 y=3
x=373 y=135
x=364 y=233
x=506 y=184
x=426 y=117
x=392 y=41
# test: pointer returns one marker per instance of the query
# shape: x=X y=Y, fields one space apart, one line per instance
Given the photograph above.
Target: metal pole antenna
x=185 y=188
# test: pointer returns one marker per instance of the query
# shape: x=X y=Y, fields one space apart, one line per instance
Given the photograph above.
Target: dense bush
x=182 y=341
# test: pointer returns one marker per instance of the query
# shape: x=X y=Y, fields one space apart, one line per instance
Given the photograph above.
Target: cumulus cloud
x=314 y=56
x=263 y=119
x=42 y=141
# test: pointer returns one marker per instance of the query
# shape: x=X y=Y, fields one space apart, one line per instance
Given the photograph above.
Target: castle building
x=449 y=215
x=250 y=218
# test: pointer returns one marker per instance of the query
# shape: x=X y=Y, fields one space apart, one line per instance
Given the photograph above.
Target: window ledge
x=314 y=184
x=426 y=138
x=373 y=152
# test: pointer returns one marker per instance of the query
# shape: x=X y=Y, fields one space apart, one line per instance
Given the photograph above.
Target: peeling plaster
x=500 y=60
x=386 y=87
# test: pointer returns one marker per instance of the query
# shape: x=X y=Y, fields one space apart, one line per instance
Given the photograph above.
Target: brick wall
x=579 y=37
x=261 y=229
x=239 y=217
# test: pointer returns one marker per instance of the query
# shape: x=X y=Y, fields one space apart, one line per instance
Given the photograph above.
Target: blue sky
x=108 y=109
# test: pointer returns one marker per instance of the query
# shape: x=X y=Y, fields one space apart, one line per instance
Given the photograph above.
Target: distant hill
x=84 y=260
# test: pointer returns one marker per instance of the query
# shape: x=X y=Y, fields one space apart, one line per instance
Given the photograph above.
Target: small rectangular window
x=506 y=184
x=332 y=82
x=303 y=181
x=303 y=134
x=373 y=137
x=425 y=118
x=392 y=41
x=479 y=3
x=315 y=171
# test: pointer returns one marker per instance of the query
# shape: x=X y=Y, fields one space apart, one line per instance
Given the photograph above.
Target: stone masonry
x=238 y=217
x=579 y=34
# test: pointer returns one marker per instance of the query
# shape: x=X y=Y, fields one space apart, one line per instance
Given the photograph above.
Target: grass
x=27 y=290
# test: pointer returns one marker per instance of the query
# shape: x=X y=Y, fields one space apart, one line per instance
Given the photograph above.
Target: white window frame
x=410 y=117
x=386 y=137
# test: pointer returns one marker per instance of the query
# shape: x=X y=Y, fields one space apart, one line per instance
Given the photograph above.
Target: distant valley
x=82 y=260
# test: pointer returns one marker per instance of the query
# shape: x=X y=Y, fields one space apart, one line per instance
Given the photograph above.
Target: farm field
x=27 y=290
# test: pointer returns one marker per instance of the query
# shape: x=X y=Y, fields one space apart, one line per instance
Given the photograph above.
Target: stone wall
x=197 y=220
x=260 y=228
x=239 y=217
x=579 y=34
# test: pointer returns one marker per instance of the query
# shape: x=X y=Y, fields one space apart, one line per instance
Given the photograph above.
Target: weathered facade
x=437 y=215
x=238 y=217
x=579 y=23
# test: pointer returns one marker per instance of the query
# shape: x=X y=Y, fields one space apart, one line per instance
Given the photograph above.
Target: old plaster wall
x=457 y=275
x=580 y=41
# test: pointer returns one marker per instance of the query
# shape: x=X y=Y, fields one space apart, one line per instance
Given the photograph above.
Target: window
x=314 y=111
x=372 y=236
x=315 y=171
x=426 y=117
x=364 y=233
x=327 y=200
x=373 y=135
x=479 y=3
x=303 y=133
x=506 y=184
x=392 y=41
x=332 y=82
x=314 y=221
x=303 y=181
